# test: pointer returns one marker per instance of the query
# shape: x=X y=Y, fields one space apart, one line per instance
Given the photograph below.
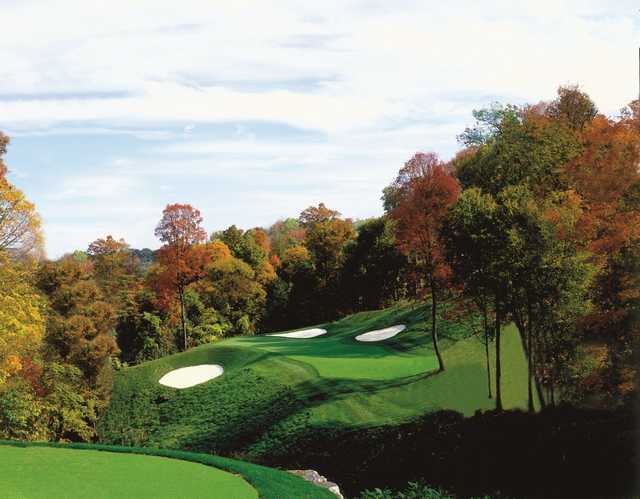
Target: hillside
x=274 y=388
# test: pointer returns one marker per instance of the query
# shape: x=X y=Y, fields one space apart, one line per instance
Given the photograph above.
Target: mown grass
x=44 y=470
x=276 y=388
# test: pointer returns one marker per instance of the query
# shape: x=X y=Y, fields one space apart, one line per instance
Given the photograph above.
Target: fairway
x=41 y=472
x=276 y=387
x=340 y=355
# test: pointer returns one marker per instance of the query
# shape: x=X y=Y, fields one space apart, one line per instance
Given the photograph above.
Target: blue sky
x=252 y=111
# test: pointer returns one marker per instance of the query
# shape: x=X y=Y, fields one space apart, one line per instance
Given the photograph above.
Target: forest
x=535 y=223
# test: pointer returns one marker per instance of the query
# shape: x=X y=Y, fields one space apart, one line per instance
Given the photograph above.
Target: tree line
x=535 y=222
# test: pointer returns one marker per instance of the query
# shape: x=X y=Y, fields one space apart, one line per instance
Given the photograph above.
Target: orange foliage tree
x=424 y=191
x=180 y=230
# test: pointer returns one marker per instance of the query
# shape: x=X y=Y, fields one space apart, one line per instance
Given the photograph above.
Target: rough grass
x=44 y=470
x=274 y=388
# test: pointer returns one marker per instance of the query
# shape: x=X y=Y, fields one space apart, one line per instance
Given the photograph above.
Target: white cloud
x=372 y=81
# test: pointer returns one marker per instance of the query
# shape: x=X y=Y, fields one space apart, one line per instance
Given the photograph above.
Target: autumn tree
x=22 y=315
x=80 y=327
x=425 y=190
x=326 y=238
x=573 y=107
x=285 y=234
x=115 y=267
x=316 y=214
x=180 y=228
x=22 y=309
x=232 y=290
x=4 y=142
x=606 y=177
x=20 y=233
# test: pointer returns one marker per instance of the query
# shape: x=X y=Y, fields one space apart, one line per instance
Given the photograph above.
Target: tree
x=141 y=332
x=114 y=267
x=4 y=142
x=314 y=215
x=573 y=107
x=426 y=192
x=326 y=237
x=544 y=267
x=517 y=146
x=20 y=233
x=475 y=242
x=298 y=274
x=285 y=234
x=373 y=270
x=606 y=177
x=179 y=229
x=81 y=323
x=22 y=315
x=232 y=290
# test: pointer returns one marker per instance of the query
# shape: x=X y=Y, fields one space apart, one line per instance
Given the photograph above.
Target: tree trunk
x=530 y=406
x=182 y=318
x=498 y=367
x=486 y=347
x=434 y=328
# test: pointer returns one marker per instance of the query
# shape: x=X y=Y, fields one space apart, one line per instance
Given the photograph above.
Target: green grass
x=44 y=470
x=276 y=387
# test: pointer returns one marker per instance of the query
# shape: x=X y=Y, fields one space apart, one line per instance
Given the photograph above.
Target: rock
x=316 y=478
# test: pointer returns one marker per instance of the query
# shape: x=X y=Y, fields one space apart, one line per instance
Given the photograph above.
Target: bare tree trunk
x=498 y=367
x=486 y=346
x=530 y=406
x=434 y=328
x=182 y=318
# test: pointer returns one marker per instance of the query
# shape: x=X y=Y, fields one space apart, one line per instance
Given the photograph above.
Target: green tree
x=512 y=146
x=475 y=243
x=374 y=266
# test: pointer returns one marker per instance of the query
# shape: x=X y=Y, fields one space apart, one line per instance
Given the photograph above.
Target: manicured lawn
x=275 y=388
x=338 y=355
x=41 y=472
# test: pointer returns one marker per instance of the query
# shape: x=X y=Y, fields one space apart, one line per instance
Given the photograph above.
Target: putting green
x=41 y=472
x=339 y=355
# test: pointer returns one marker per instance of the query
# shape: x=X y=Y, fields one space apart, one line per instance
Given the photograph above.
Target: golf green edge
x=253 y=480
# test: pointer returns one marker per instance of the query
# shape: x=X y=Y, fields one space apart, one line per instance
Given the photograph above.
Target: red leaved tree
x=423 y=192
x=180 y=230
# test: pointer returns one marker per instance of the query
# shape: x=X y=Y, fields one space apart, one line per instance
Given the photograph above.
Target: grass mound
x=274 y=388
x=41 y=470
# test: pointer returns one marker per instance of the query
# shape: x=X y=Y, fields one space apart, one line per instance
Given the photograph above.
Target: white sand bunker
x=191 y=376
x=381 y=334
x=307 y=333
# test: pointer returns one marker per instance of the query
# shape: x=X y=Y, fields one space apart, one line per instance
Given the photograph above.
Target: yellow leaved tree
x=22 y=319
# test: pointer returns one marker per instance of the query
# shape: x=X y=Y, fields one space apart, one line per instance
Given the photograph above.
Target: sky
x=252 y=111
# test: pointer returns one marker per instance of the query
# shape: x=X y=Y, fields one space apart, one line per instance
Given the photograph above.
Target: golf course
x=275 y=388
x=339 y=250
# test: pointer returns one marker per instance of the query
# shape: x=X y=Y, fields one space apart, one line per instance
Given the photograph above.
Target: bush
x=414 y=490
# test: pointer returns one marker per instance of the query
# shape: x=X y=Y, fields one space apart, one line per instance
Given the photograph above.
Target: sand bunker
x=191 y=376
x=381 y=334
x=307 y=333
